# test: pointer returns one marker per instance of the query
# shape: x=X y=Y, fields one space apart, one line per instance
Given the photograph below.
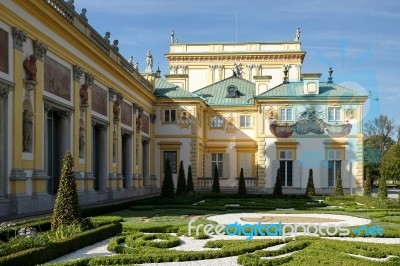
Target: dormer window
x=232 y=92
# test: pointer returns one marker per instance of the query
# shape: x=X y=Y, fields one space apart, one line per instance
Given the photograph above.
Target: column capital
x=19 y=38
x=78 y=72
x=89 y=79
x=47 y=107
x=5 y=88
x=39 y=49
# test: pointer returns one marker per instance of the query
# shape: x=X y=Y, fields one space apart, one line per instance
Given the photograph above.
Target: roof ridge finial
x=330 y=79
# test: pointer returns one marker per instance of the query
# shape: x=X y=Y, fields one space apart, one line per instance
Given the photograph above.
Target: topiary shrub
x=215 y=186
x=242 y=184
x=339 y=185
x=367 y=184
x=66 y=208
x=278 y=184
x=310 y=191
x=382 y=192
x=190 y=186
x=167 y=189
x=181 y=184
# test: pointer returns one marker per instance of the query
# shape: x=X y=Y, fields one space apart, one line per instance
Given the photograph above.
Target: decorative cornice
x=19 y=38
x=78 y=72
x=89 y=79
x=236 y=58
x=39 y=49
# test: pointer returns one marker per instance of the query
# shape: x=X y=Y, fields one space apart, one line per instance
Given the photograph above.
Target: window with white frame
x=245 y=121
x=217 y=160
x=335 y=158
x=286 y=167
x=216 y=121
x=170 y=115
x=334 y=114
x=286 y=114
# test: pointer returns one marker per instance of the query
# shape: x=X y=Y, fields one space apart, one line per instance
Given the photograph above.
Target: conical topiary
x=367 y=184
x=242 y=184
x=382 y=192
x=215 y=186
x=167 y=189
x=339 y=185
x=66 y=208
x=310 y=191
x=190 y=186
x=278 y=184
x=181 y=184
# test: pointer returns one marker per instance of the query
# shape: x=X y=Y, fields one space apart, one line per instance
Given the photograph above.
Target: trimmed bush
x=242 y=184
x=167 y=190
x=339 y=185
x=181 y=184
x=278 y=184
x=310 y=191
x=215 y=186
x=367 y=184
x=66 y=208
x=190 y=186
x=382 y=192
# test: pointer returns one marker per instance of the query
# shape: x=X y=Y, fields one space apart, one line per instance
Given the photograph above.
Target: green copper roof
x=296 y=89
x=217 y=94
x=165 y=89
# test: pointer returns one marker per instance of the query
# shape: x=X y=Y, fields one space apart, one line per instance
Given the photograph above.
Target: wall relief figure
x=81 y=142
x=184 y=119
x=117 y=109
x=83 y=92
x=30 y=68
x=139 y=121
x=27 y=132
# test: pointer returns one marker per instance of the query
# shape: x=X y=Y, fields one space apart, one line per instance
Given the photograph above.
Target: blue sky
x=360 y=39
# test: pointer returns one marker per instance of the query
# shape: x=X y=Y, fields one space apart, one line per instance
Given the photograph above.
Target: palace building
x=63 y=86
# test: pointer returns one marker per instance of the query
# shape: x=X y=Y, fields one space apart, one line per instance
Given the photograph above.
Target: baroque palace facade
x=63 y=86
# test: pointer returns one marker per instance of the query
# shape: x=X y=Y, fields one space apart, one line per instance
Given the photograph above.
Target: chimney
x=311 y=83
x=262 y=83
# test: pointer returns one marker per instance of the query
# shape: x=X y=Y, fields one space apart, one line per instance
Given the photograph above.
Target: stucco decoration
x=271 y=114
x=350 y=113
x=309 y=123
x=230 y=125
x=184 y=118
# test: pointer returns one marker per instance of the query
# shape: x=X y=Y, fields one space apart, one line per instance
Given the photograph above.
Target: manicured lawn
x=148 y=224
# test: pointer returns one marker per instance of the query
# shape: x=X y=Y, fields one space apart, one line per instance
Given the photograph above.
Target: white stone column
x=4 y=90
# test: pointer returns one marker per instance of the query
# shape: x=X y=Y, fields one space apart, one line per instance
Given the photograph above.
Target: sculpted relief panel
x=4 y=51
x=57 y=78
x=99 y=100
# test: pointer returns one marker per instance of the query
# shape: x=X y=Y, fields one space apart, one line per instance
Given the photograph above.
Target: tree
x=190 y=186
x=339 y=185
x=382 y=192
x=278 y=184
x=390 y=167
x=181 y=184
x=310 y=191
x=367 y=183
x=242 y=184
x=381 y=128
x=167 y=189
x=66 y=208
x=215 y=186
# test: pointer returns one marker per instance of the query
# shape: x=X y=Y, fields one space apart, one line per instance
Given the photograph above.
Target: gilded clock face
x=350 y=113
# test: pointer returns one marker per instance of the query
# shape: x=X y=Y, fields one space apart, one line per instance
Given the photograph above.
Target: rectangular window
x=245 y=121
x=286 y=114
x=217 y=160
x=334 y=166
x=169 y=115
x=286 y=168
x=172 y=156
x=334 y=114
x=216 y=121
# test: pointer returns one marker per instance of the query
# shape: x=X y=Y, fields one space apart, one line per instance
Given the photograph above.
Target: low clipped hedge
x=54 y=250
x=40 y=225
